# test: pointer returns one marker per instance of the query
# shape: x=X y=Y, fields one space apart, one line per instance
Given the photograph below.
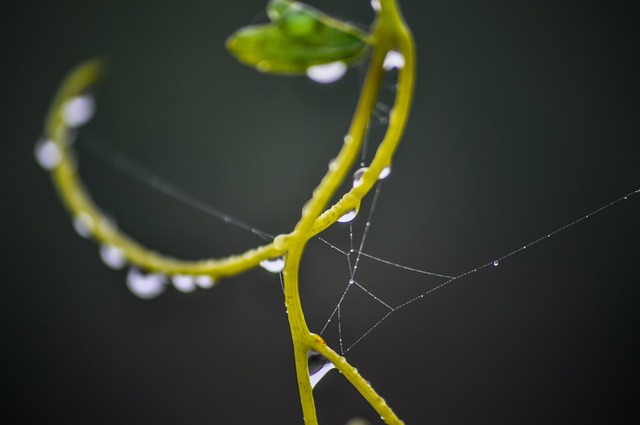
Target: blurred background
x=525 y=119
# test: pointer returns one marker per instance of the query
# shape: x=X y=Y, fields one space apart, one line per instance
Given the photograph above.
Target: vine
x=298 y=39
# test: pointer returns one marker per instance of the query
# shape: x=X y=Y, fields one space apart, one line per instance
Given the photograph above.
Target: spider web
x=349 y=241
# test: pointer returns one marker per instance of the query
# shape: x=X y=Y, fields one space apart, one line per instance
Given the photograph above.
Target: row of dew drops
x=76 y=112
x=79 y=110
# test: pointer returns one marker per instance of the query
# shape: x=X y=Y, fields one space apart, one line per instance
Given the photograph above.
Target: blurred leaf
x=297 y=37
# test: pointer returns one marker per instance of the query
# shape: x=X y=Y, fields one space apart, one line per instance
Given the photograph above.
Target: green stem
x=389 y=33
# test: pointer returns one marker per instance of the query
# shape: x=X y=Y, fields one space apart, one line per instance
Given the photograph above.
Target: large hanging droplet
x=318 y=367
x=146 y=286
x=47 y=154
x=327 y=73
x=112 y=257
x=273 y=265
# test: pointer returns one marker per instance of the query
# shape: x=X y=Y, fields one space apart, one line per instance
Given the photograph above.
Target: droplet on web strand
x=47 y=154
x=78 y=110
x=273 y=265
x=112 y=257
x=327 y=73
x=496 y=263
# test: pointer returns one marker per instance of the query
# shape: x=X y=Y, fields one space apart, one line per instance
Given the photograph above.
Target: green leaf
x=297 y=37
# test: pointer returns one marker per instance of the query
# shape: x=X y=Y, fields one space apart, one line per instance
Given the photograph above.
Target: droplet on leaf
x=327 y=73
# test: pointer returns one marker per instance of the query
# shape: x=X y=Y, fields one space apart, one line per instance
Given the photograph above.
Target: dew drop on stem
x=393 y=60
x=183 y=282
x=78 y=110
x=357 y=176
x=273 y=265
x=83 y=225
x=349 y=216
x=146 y=286
x=112 y=257
x=386 y=171
x=204 y=281
x=318 y=367
x=47 y=154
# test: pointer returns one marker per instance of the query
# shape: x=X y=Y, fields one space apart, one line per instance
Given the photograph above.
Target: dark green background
x=526 y=118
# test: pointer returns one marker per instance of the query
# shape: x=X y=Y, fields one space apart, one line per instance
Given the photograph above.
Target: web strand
x=469 y=272
x=139 y=172
x=132 y=168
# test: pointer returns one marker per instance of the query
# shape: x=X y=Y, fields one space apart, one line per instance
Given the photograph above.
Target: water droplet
x=83 y=225
x=327 y=73
x=333 y=165
x=78 y=110
x=375 y=5
x=318 y=367
x=357 y=176
x=47 y=154
x=204 y=281
x=112 y=257
x=394 y=59
x=184 y=282
x=496 y=263
x=385 y=172
x=146 y=286
x=273 y=265
x=349 y=216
